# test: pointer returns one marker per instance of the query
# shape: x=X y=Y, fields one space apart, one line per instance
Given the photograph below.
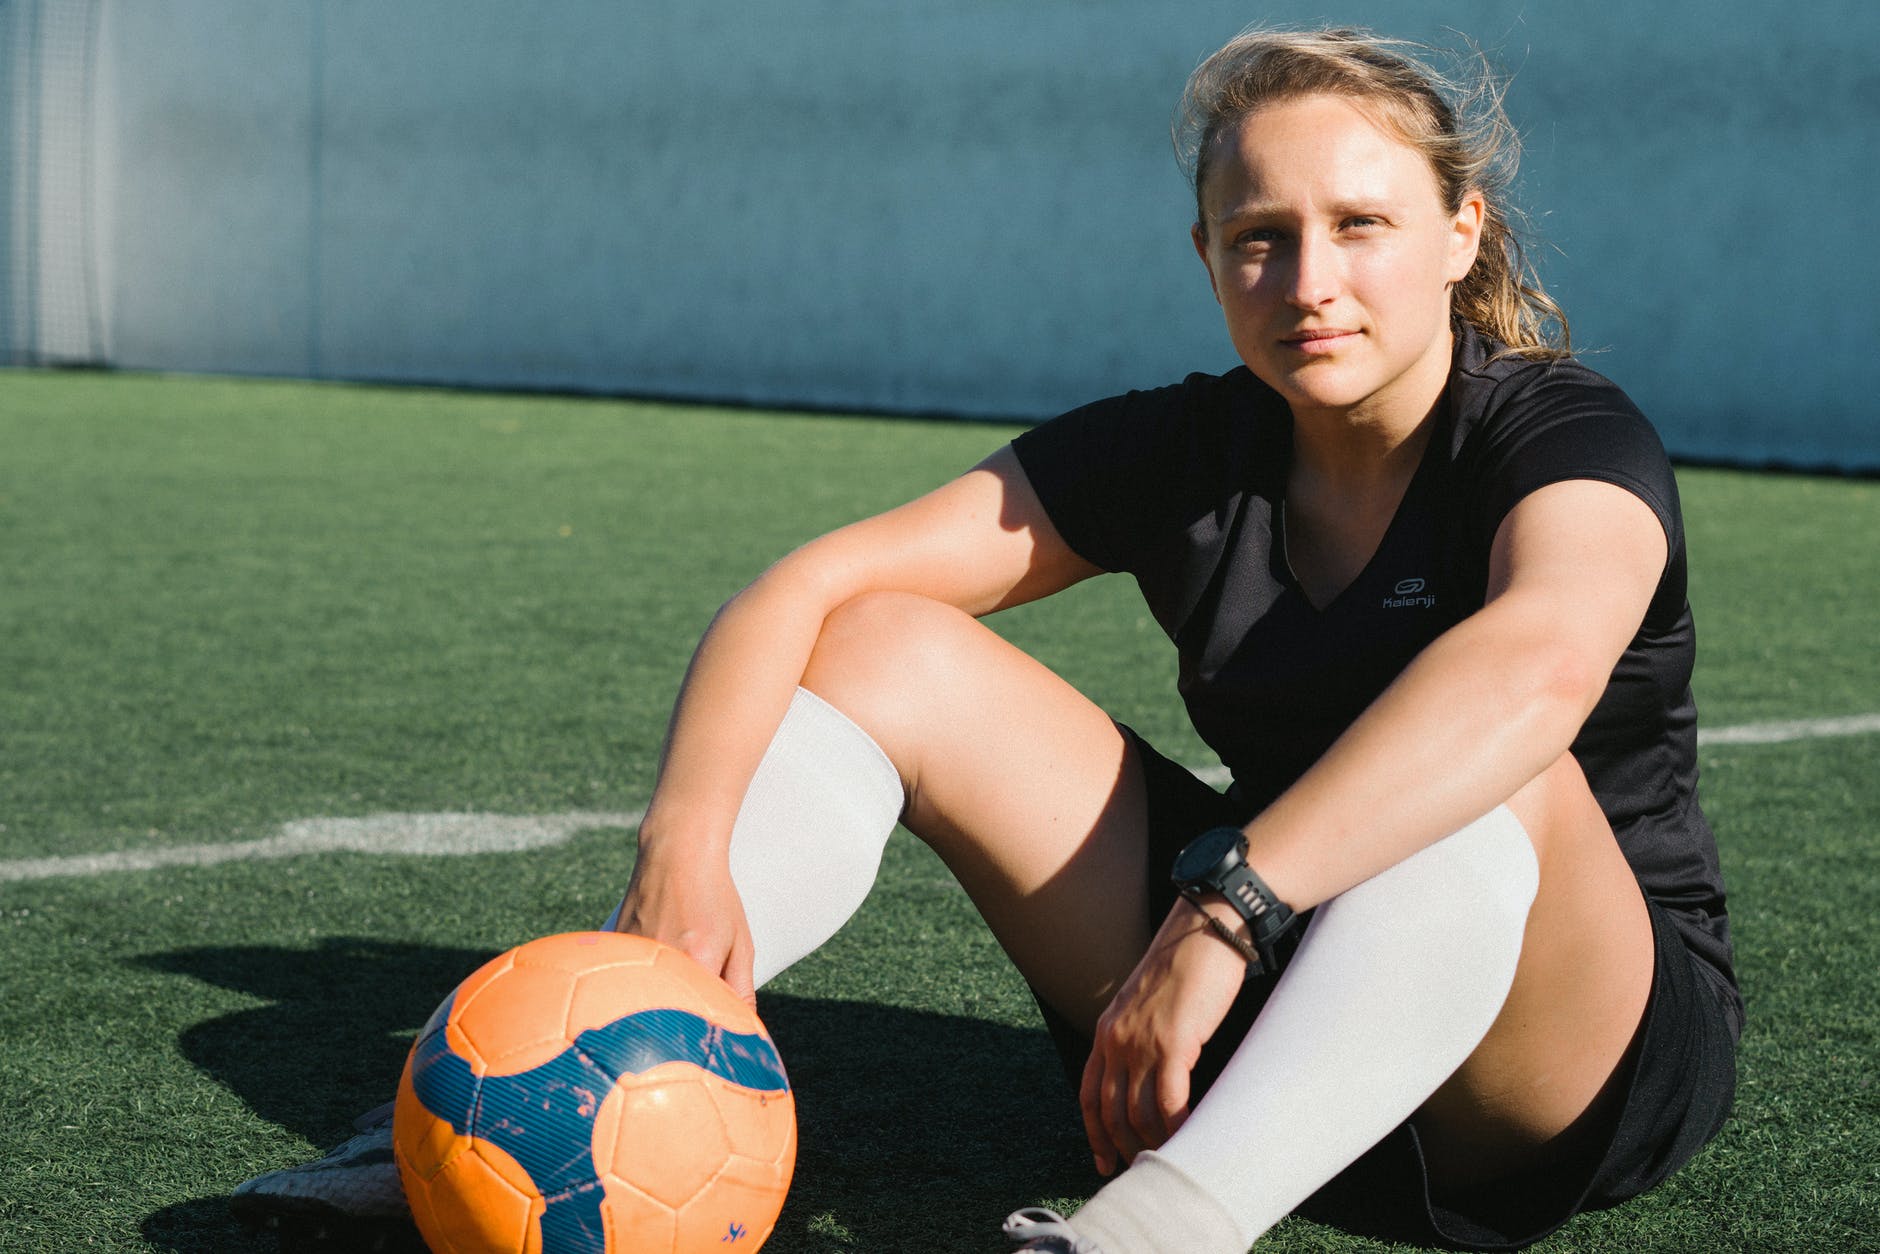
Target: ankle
x=1157 y=1208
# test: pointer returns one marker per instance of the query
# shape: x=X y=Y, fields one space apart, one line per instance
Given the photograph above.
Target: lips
x=1318 y=340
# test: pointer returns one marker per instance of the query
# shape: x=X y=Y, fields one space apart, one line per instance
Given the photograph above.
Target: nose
x=1315 y=278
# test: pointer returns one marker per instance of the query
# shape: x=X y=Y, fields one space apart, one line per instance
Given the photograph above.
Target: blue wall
x=965 y=207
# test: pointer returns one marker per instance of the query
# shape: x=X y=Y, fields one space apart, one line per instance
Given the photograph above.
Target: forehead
x=1316 y=149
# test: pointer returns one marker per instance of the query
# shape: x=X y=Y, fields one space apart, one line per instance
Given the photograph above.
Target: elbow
x=807 y=579
x=1563 y=683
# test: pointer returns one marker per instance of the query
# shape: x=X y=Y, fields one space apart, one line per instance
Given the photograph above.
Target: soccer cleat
x=349 y=1197
x=1046 y=1232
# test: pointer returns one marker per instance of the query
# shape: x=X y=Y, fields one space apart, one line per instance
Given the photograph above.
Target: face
x=1330 y=251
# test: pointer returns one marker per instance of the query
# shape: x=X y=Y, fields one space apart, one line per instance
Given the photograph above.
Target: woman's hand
x=687 y=900
x=1135 y=1087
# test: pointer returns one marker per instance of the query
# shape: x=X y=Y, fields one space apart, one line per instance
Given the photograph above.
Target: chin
x=1318 y=390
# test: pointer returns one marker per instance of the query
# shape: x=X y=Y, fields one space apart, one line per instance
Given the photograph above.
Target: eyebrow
x=1341 y=209
x=1266 y=211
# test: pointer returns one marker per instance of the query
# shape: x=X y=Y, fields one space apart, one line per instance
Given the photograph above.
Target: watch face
x=1204 y=853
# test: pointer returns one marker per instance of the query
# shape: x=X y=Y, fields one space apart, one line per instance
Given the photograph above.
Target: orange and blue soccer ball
x=594 y=1092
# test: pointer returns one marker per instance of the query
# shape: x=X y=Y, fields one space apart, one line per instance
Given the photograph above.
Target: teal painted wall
x=965 y=207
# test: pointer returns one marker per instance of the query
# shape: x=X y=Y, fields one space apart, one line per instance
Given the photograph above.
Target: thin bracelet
x=1226 y=933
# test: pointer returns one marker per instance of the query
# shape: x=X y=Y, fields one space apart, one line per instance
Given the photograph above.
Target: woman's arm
x=1486 y=707
x=980 y=543
x=1483 y=710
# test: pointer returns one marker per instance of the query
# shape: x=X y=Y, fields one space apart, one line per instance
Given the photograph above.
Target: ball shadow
x=917 y=1130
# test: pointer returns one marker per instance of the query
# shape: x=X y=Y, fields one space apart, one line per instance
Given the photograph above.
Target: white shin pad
x=808 y=838
x=1393 y=986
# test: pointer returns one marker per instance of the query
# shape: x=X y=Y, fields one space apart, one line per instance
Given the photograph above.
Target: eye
x=1361 y=222
x=1255 y=237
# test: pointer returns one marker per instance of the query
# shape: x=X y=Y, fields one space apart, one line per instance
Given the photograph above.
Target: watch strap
x=1267 y=916
x=1227 y=934
x=1274 y=926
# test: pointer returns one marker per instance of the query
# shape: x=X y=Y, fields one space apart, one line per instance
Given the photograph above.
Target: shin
x=1393 y=986
x=809 y=835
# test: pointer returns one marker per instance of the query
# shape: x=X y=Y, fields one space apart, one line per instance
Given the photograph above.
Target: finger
x=1090 y=1102
x=738 y=967
x=1145 y=1111
x=703 y=948
x=1117 y=1090
x=1171 y=1097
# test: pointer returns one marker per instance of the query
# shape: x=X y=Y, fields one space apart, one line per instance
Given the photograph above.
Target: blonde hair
x=1455 y=121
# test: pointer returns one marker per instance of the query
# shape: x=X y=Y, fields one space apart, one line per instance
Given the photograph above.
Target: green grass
x=225 y=605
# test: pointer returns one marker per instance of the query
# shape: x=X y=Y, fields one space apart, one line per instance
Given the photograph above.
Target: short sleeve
x=1549 y=423
x=1557 y=423
x=1119 y=477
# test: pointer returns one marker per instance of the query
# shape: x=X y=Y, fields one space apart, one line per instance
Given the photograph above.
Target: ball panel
x=573 y=1223
x=636 y=1222
x=710 y=996
x=516 y=1020
x=608 y=992
x=759 y=1125
x=579 y=952
x=476 y=1209
x=423 y=1212
x=544 y=1118
x=487 y=974
x=675 y=1162
x=443 y=1075
x=738 y=1212
x=422 y=1143
x=642 y=1042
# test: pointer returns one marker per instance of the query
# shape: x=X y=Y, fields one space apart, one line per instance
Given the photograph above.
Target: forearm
x=736 y=690
x=1481 y=712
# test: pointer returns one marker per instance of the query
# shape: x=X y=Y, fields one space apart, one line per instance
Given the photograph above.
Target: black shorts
x=1679 y=1083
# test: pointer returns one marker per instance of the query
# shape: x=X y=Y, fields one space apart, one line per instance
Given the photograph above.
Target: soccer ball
x=594 y=1092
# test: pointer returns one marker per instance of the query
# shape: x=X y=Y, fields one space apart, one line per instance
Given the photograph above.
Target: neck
x=1352 y=450
x=1379 y=439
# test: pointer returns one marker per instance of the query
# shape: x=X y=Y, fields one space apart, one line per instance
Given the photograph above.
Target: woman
x=1426 y=578
x=1427 y=581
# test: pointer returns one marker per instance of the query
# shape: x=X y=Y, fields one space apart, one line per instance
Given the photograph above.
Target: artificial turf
x=226 y=605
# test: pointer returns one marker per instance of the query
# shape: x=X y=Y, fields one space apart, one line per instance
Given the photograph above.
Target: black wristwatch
x=1216 y=862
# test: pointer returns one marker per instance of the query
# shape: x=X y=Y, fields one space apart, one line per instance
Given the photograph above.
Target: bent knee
x=881 y=655
x=876 y=620
x=884 y=633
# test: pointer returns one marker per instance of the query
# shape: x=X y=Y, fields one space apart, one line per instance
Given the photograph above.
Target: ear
x=1199 y=238
x=1465 y=235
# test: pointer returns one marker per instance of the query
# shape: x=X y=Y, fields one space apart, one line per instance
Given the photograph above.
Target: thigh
x=1543 y=1084
x=1030 y=793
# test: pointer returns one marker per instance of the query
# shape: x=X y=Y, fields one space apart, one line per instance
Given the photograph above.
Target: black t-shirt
x=1183 y=488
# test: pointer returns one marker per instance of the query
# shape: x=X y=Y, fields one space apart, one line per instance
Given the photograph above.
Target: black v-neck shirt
x=1183 y=488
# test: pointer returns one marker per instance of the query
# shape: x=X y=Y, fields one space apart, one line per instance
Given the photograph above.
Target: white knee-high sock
x=808 y=838
x=1392 y=987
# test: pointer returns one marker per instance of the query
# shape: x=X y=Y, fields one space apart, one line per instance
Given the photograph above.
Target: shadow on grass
x=917 y=1130
x=332 y=1038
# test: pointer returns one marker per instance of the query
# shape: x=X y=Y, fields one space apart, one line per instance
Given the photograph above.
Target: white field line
x=446 y=835
x=421 y=835
x=1796 y=729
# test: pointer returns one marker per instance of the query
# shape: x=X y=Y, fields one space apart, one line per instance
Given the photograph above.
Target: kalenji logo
x=1406 y=595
